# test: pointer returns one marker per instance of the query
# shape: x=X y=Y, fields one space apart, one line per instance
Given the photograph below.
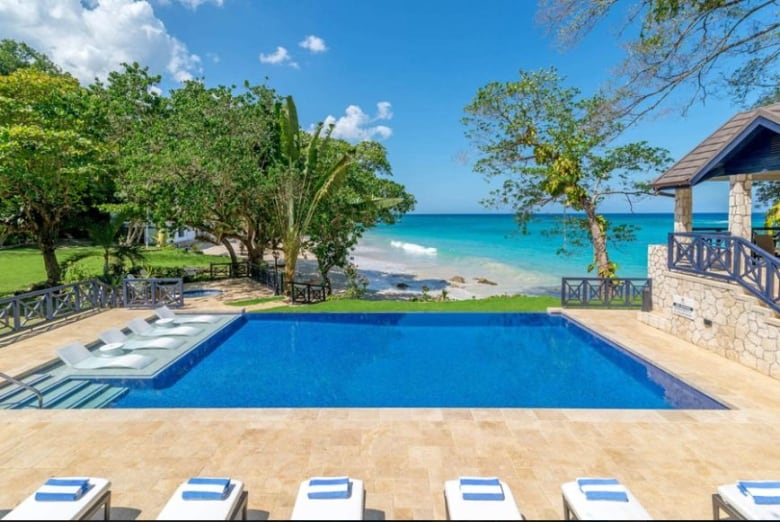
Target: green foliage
x=554 y=146
x=51 y=161
x=22 y=270
x=304 y=174
x=18 y=55
x=690 y=47
x=357 y=285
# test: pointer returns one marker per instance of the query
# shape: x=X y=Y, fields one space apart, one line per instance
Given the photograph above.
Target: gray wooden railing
x=50 y=304
x=726 y=257
x=152 y=292
x=599 y=292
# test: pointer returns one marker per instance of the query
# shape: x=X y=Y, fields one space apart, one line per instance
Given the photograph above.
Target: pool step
x=63 y=394
x=13 y=394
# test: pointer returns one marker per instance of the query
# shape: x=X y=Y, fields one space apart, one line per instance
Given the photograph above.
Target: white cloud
x=214 y=57
x=192 y=4
x=92 y=38
x=356 y=125
x=313 y=43
x=278 y=57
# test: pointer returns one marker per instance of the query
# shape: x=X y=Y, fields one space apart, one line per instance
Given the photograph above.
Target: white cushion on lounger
x=744 y=505
x=115 y=335
x=31 y=509
x=329 y=508
x=140 y=327
x=164 y=312
x=459 y=509
x=584 y=509
x=179 y=509
x=77 y=356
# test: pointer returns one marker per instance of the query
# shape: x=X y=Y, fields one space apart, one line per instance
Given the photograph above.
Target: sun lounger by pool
x=330 y=498
x=117 y=336
x=480 y=498
x=164 y=312
x=207 y=498
x=748 y=499
x=600 y=499
x=77 y=356
x=66 y=498
x=140 y=327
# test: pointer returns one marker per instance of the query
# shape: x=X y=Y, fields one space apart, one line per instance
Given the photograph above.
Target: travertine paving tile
x=672 y=460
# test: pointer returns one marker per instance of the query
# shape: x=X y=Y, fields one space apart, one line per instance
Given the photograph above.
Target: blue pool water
x=200 y=292
x=506 y=360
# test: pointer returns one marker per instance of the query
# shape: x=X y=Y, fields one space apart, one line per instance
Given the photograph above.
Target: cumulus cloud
x=313 y=43
x=356 y=125
x=192 y=4
x=278 y=57
x=89 y=39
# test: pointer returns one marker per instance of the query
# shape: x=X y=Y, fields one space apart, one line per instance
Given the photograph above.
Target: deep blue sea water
x=417 y=360
x=440 y=246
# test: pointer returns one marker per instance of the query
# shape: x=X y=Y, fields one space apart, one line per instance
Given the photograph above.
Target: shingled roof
x=711 y=157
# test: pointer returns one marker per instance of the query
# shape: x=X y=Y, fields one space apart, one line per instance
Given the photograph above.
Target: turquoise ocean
x=431 y=249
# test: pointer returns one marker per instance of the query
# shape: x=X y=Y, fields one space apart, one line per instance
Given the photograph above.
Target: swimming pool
x=476 y=360
x=200 y=292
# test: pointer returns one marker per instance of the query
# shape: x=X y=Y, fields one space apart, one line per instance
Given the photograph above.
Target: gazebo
x=719 y=289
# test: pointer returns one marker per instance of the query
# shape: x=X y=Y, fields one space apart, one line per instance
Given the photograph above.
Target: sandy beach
x=387 y=279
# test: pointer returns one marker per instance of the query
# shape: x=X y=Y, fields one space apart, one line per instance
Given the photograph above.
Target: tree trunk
x=229 y=247
x=601 y=261
x=290 y=247
x=47 y=245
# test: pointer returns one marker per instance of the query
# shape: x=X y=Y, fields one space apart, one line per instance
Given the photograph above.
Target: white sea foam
x=414 y=248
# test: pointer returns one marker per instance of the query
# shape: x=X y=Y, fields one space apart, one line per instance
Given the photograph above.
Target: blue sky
x=399 y=72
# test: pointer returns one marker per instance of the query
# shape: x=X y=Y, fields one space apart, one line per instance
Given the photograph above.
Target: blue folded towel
x=329 y=487
x=481 y=488
x=207 y=488
x=62 y=489
x=761 y=491
x=602 y=489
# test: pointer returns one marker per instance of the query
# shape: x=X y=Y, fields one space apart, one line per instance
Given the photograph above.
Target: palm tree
x=303 y=180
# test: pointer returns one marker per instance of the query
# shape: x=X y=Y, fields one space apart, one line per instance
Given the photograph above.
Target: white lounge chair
x=115 y=335
x=591 y=498
x=77 y=356
x=140 y=327
x=749 y=500
x=228 y=507
x=164 y=312
x=330 y=498
x=480 y=498
x=84 y=507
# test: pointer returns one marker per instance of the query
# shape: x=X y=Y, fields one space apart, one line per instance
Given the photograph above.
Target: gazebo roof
x=749 y=143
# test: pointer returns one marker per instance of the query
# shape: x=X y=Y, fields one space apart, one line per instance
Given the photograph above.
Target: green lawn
x=23 y=267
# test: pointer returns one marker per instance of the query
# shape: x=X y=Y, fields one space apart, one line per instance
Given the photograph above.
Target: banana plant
x=304 y=180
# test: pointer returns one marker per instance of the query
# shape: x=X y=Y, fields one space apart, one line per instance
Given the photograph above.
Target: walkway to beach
x=672 y=460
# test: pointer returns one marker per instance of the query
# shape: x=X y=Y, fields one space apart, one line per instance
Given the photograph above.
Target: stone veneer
x=741 y=327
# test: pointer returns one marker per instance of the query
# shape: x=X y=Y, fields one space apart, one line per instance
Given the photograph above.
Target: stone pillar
x=740 y=205
x=683 y=210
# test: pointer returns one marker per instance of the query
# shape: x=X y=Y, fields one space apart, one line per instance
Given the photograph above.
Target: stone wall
x=719 y=316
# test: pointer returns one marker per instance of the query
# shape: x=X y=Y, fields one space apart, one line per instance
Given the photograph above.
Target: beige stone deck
x=671 y=460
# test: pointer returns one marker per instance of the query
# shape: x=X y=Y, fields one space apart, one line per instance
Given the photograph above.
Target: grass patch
x=259 y=300
x=22 y=267
x=517 y=303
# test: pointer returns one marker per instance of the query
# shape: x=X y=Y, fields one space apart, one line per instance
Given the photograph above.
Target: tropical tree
x=698 y=45
x=554 y=147
x=303 y=174
x=18 y=55
x=50 y=160
x=366 y=198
